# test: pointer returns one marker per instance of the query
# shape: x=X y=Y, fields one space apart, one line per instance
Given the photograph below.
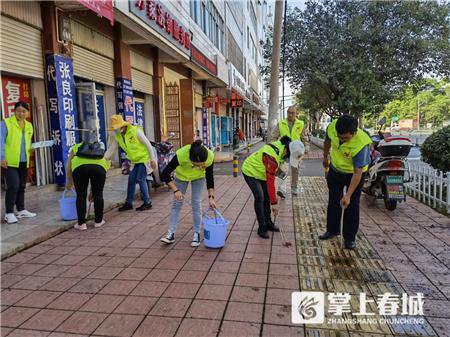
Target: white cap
x=297 y=148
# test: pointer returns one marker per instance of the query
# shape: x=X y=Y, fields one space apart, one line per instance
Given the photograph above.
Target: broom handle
x=342 y=220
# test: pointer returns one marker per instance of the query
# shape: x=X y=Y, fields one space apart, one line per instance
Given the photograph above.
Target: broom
x=284 y=241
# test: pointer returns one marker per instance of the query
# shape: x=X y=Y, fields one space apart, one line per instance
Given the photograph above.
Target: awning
x=103 y=8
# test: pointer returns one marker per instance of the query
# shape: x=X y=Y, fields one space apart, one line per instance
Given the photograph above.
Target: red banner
x=101 y=7
x=198 y=57
x=15 y=89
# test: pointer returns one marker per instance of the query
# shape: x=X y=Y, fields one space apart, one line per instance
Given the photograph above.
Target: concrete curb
x=224 y=157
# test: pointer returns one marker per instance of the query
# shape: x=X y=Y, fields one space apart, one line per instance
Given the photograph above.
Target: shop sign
x=200 y=59
x=155 y=14
x=101 y=7
x=15 y=90
x=237 y=80
x=205 y=126
x=124 y=98
x=100 y=104
x=236 y=101
x=63 y=114
x=139 y=106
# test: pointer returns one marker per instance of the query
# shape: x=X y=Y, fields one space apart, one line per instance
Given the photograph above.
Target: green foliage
x=436 y=150
x=355 y=56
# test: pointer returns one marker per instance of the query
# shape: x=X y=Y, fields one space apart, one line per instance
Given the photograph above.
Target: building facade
x=185 y=69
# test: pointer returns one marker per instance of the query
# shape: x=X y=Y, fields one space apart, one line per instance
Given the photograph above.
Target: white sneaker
x=195 y=240
x=100 y=224
x=25 y=214
x=10 y=218
x=82 y=227
x=168 y=238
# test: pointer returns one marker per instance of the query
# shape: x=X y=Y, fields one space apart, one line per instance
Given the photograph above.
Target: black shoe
x=326 y=236
x=125 y=207
x=272 y=227
x=168 y=238
x=263 y=233
x=349 y=244
x=144 y=207
x=281 y=195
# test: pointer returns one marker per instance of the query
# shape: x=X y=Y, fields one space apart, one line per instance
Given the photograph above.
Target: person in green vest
x=16 y=134
x=293 y=128
x=259 y=171
x=350 y=157
x=192 y=164
x=138 y=150
x=79 y=172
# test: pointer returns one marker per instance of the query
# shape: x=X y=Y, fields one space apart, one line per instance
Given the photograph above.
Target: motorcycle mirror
x=382 y=121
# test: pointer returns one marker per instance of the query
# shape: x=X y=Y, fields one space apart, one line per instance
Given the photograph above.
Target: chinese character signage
x=101 y=7
x=154 y=14
x=15 y=90
x=63 y=114
x=205 y=127
x=101 y=118
x=199 y=58
x=139 y=107
x=124 y=98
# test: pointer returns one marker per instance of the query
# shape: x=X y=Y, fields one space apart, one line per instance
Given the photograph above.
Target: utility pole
x=275 y=68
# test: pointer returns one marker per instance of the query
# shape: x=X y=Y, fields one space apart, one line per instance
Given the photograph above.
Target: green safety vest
x=342 y=154
x=136 y=151
x=13 y=142
x=185 y=170
x=296 y=132
x=78 y=161
x=254 y=167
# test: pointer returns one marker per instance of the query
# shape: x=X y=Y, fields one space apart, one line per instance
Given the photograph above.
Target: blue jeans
x=138 y=176
x=197 y=190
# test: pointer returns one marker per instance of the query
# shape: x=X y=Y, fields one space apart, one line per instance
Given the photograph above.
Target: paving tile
x=441 y=326
x=172 y=307
x=437 y=308
x=46 y=319
x=136 y=274
x=197 y=265
x=69 y=301
x=284 y=282
x=119 y=325
x=136 y=305
x=244 y=312
x=63 y=334
x=60 y=284
x=30 y=282
x=102 y=303
x=283 y=269
x=198 y=327
x=28 y=333
x=220 y=278
x=149 y=288
x=12 y=296
x=225 y=267
x=161 y=275
x=78 y=271
x=207 y=309
x=286 y=331
x=254 y=268
x=38 y=299
x=190 y=276
x=15 y=316
x=277 y=314
x=119 y=287
x=214 y=292
x=82 y=323
x=181 y=290
x=88 y=286
x=251 y=280
x=234 y=329
x=279 y=296
x=51 y=270
x=158 y=326
x=248 y=294
x=26 y=269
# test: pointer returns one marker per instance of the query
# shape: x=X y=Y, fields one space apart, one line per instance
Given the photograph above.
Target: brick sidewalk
x=119 y=280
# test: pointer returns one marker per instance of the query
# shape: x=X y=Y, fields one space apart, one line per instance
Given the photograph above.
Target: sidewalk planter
x=215 y=229
x=68 y=206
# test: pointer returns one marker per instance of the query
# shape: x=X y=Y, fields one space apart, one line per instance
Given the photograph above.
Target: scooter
x=164 y=153
x=389 y=169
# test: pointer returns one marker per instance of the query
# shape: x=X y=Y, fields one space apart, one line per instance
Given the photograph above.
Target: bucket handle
x=66 y=190
x=217 y=214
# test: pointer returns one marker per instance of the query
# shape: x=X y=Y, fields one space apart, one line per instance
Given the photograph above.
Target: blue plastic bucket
x=68 y=206
x=214 y=230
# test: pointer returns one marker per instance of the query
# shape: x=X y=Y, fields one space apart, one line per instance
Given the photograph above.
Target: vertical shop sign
x=124 y=96
x=63 y=115
x=15 y=90
x=205 y=127
x=139 y=106
x=101 y=118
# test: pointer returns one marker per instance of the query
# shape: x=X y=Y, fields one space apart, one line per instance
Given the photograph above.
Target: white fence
x=429 y=186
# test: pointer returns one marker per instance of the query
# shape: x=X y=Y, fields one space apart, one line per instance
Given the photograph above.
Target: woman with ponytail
x=192 y=164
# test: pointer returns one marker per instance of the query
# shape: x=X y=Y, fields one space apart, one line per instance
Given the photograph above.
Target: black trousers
x=262 y=201
x=81 y=177
x=336 y=182
x=16 y=181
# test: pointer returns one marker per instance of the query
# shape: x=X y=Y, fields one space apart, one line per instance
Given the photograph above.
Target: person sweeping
x=350 y=157
x=192 y=164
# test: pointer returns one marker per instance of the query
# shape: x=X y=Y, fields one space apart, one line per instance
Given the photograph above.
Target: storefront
x=22 y=77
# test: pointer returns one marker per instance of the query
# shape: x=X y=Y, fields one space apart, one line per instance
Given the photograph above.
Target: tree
x=355 y=56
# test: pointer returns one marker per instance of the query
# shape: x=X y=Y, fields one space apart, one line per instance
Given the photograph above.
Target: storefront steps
x=226 y=155
x=44 y=201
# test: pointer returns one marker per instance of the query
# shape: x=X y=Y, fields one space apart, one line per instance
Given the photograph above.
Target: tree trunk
x=275 y=68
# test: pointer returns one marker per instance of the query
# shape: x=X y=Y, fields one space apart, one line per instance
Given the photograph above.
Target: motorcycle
x=389 y=169
x=164 y=153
